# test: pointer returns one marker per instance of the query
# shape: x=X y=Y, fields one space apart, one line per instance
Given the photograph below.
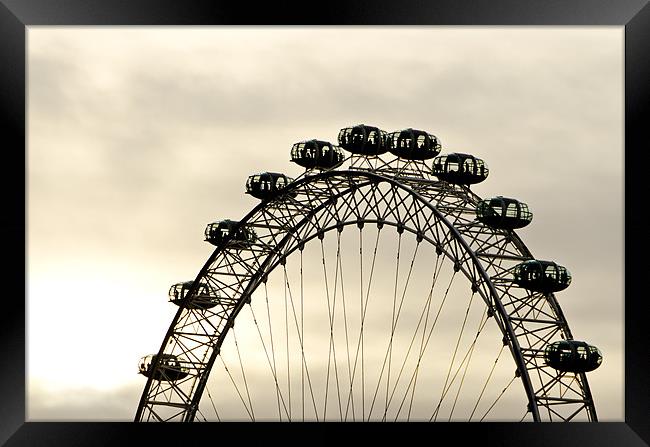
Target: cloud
x=82 y=403
x=140 y=137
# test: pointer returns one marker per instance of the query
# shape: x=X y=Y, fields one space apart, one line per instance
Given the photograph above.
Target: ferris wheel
x=373 y=287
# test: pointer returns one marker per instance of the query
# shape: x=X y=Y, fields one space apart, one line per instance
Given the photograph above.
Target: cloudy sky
x=137 y=137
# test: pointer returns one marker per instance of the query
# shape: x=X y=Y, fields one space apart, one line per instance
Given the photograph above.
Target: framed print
x=142 y=127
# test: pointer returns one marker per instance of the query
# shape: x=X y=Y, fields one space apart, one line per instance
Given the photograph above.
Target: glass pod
x=266 y=185
x=169 y=368
x=363 y=140
x=572 y=356
x=179 y=294
x=413 y=144
x=316 y=154
x=541 y=276
x=460 y=169
x=502 y=212
x=230 y=232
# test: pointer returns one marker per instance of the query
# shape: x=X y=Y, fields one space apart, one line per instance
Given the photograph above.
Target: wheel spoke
x=213 y=405
x=388 y=350
x=345 y=318
x=414 y=378
x=468 y=356
x=286 y=334
x=331 y=355
x=408 y=278
x=241 y=364
x=362 y=314
x=498 y=397
x=274 y=368
x=302 y=349
x=453 y=357
x=486 y=382
x=301 y=335
x=250 y=414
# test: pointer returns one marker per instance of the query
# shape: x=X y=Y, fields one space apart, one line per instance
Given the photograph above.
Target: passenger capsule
x=363 y=140
x=179 y=294
x=504 y=213
x=541 y=276
x=461 y=169
x=227 y=230
x=413 y=144
x=266 y=185
x=572 y=356
x=169 y=368
x=316 y=154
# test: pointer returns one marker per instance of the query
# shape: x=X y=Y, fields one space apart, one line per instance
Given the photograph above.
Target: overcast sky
x=138 y=137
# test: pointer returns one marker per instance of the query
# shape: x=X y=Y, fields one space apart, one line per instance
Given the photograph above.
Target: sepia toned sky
x=138 y=137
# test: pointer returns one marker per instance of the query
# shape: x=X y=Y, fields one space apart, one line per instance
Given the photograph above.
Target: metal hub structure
x=369 y=191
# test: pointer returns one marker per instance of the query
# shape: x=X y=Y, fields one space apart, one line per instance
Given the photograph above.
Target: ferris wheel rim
x=512 y=339
x=372 y=177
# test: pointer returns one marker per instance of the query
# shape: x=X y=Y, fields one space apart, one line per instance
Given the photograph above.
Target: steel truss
x=397 y=193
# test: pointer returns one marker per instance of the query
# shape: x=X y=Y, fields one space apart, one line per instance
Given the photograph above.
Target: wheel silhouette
x=373 y=288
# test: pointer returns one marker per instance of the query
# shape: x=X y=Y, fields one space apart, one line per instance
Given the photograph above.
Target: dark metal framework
x=401 y=193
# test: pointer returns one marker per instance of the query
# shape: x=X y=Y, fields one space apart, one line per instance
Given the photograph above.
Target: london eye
x=374 y=286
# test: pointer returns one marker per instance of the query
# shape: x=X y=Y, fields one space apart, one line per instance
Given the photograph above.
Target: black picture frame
x=16 y=15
